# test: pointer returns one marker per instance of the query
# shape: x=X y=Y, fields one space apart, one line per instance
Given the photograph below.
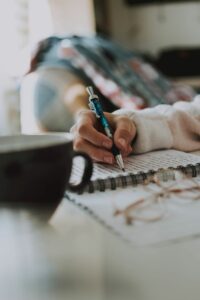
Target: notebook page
x=180 y=219
x=140 y=163
x=196 y=153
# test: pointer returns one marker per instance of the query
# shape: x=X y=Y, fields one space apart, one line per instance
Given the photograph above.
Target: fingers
x=93 y=136
x=96 y=144
x=96 y=153
x=86 y=130
x=125 y=132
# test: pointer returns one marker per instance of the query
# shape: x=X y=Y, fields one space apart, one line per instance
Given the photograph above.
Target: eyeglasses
x=153 y=207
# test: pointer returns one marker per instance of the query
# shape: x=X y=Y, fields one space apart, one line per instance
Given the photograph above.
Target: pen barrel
x=109 y=132
x=115 y=151
x=95 y=106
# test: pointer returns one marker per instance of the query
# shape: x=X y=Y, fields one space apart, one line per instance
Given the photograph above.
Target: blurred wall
x=153 y=27
x=73 y=16
x=61 y=17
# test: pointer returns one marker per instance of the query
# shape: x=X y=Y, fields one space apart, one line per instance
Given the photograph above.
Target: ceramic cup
x=35 y=171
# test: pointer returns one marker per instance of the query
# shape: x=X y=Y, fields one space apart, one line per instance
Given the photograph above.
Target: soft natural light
x=22 y=22
x=9 y=36
x=40 y=20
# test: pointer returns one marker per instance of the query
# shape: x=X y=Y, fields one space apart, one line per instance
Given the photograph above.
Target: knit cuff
x=153 y=132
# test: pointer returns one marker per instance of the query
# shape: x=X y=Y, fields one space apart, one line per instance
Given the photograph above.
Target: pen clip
x=93 y=108
x=92 y=98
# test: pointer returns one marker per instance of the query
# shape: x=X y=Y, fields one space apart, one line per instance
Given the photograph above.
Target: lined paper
x=180 y=219
x=139 y=163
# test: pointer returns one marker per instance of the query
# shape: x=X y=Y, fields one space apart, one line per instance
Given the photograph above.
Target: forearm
x=165 y=127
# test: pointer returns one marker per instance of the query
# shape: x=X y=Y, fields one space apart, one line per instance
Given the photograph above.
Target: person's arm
x=161 y=127
x=165 y=126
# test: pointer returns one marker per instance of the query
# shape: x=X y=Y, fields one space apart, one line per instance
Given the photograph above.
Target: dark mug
x=35 y=171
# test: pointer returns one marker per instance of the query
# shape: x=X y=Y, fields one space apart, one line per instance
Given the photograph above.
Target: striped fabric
x=122 y=76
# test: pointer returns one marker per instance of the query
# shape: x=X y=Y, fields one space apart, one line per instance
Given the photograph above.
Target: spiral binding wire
x=130 y=179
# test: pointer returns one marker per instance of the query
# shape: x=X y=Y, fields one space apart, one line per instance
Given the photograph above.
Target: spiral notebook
x=139 y=168
x=180 y=219
x=179 y=214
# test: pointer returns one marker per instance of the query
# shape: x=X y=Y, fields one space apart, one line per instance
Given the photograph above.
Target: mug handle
x=87 y=173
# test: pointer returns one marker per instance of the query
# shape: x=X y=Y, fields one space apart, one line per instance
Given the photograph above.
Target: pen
x=95 y=106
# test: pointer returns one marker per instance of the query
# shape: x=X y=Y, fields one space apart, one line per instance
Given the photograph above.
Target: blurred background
x=167 y=33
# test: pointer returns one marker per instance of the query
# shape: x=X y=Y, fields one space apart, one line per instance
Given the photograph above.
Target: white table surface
x=76 y=258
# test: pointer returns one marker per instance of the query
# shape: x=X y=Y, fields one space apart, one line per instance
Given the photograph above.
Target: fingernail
x=108 y=159
x=122 y=142
x=107 y=144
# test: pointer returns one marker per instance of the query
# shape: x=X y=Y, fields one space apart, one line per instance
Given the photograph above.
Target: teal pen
x=95 y=106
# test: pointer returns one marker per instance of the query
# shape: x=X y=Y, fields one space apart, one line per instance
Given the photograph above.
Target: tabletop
x=74 y=257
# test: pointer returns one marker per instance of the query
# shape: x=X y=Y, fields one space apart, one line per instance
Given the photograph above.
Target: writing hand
x=89 y=138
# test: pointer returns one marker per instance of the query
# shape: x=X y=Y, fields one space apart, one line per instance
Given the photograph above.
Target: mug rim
x=23 y=142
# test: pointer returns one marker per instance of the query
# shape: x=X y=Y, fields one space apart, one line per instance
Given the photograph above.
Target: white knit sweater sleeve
x=166 y=126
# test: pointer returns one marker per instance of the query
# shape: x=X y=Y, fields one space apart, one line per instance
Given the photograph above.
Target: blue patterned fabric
x=45 y=96
x=134 y=77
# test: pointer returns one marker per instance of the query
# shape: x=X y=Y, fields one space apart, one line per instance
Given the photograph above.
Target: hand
x=89 y=138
